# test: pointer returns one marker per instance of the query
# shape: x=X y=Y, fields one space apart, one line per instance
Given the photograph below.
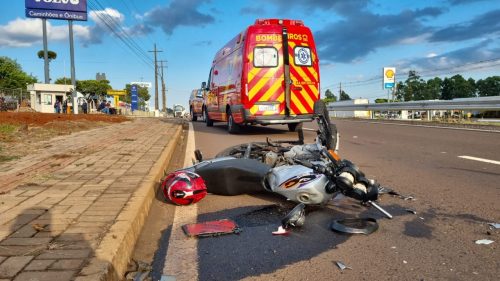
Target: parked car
x=196 y=104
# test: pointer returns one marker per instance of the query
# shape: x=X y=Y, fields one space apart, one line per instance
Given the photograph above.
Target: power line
x=124 y=33
x=136 y=21
x=137 y=51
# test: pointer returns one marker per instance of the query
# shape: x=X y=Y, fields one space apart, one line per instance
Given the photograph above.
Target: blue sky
x=355 y=39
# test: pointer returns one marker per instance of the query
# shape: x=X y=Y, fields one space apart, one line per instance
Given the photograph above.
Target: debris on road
x=386 y=190
x=281 y=231
x=355 y=225
x=411 y=211
x=494 y=225
x=342 y=266
x=211 y=228
x=484 y=242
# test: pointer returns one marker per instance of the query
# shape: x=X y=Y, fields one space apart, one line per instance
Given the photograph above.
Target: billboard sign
x=133 y=92
x=142 y=84
x=57 y=9
x=389 y=77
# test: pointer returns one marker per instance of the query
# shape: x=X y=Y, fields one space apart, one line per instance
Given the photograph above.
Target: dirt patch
x=38 y=119
x=20 y=130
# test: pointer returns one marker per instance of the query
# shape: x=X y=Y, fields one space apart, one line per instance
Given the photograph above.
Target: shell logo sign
x=389 y=77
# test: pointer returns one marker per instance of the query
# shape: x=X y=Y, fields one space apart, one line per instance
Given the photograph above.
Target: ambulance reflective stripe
x=268 y=89
x=309 y=92
x=306 y=78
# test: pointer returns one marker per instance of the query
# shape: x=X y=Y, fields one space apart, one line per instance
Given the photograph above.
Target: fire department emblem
x=302 y=56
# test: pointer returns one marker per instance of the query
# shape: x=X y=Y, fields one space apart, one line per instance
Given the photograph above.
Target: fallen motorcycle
x=311 y=174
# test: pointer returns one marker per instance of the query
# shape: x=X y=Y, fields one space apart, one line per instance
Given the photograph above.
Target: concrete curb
x=115 y=250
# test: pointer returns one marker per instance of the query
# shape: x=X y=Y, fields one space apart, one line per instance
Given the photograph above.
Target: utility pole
x=340 y=90
x=163 y=93
x=156 y=76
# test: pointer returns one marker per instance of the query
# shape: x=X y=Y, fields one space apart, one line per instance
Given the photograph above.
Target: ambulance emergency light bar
x=279 y=21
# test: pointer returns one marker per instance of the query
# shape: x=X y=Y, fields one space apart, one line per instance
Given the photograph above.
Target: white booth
x=44 y=96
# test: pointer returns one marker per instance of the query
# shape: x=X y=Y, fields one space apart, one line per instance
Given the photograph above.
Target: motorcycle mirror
x=198 y=155
x=296 y=217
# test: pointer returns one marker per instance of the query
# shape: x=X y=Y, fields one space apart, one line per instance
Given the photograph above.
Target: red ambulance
x=267 y=74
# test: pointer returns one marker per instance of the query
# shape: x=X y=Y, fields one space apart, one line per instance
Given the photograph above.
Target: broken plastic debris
x=211 y=228
x=39 y=227
x=404 y=197
x=484 y=242
x=494 y=225
x=342 y=266
x=411 y=211
x=281 y=231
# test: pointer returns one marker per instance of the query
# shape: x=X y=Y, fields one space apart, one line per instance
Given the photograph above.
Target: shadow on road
x=256 y=251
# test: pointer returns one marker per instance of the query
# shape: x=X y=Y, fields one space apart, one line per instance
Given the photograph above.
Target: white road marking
x=480 y=159
x=309 y=129
x=181 y=261
x=426 y=126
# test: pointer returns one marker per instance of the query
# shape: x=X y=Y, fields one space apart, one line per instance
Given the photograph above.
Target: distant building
x=100 y=76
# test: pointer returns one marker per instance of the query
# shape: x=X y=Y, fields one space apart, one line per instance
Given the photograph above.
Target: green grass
x=5 y=158
x=7 y=128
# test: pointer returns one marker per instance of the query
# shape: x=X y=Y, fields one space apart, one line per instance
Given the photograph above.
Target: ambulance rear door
x=303 y=68
x=265 y=87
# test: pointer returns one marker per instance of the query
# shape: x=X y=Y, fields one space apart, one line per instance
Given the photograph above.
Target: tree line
x=12 y=77
x=416 y=88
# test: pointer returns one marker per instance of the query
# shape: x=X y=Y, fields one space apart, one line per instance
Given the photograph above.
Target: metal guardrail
x=483 y=103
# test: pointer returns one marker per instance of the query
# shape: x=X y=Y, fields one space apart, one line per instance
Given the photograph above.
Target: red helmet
x=184 y=187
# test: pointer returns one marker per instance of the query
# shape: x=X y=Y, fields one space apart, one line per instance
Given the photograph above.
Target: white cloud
x=28 y=32
x=431 y=55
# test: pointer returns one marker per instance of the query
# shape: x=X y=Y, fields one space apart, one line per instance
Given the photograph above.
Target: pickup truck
x=196 y=104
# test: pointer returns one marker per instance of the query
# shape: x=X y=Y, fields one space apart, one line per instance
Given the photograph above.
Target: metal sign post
x=389 y=81
x=45 y=52
x=61 y=10
x=72 y=60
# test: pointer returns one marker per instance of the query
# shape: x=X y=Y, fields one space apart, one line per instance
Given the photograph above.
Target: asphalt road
x=455 y=199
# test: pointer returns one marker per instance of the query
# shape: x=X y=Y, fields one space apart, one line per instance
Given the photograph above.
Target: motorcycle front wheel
x=257 y=151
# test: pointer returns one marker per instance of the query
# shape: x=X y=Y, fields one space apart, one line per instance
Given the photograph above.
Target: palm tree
x=51 y=55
